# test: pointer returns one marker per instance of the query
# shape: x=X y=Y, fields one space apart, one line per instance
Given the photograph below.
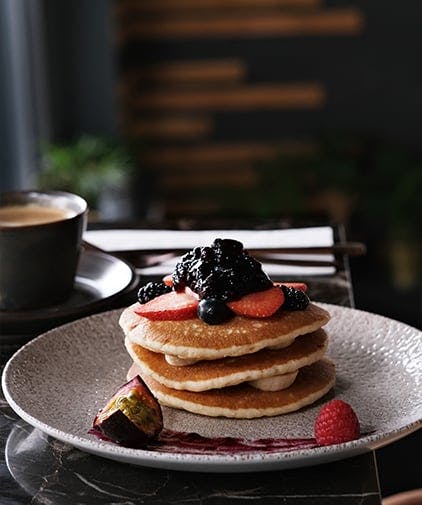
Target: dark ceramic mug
x=40 y=241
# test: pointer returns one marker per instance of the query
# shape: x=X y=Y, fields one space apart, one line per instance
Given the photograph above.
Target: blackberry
x=207 y=254
x=294 y=299
x=214 y=311
x=227 y=248
x=250 y=263
x=152 y=290
x=181 y=271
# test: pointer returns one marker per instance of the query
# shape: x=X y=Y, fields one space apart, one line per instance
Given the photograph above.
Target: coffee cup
x=40 y=242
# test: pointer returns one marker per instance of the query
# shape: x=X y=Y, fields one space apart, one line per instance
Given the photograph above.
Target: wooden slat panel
x=242 y=176
x=200 y=71
x=256 y=96
x=223 y=153
x=190 y=207
x=333 y=21
x=183 y=128
x=132 y=7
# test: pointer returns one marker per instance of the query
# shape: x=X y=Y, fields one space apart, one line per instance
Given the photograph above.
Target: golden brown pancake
x=223 y=372
x=244 y=401
x=192 y=338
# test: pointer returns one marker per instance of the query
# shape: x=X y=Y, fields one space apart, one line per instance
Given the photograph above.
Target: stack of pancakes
x=244 y=368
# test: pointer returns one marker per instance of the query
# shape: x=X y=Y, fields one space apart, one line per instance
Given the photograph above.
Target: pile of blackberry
x=223 y=271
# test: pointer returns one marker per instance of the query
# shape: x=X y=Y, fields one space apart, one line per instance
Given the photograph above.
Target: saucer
x=102 y=282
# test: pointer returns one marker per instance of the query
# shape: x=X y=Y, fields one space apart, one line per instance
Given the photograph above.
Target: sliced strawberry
x=189 y=292
x=295 y=285
x=260 y=304
x=168 y=280
x=170 y=306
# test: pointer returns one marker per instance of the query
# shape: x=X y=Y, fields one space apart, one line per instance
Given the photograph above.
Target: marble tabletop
x=37 y=469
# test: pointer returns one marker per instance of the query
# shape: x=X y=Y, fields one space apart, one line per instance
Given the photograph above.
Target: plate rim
x=237 y=462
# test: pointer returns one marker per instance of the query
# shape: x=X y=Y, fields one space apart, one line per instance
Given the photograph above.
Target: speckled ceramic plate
x=58 y=381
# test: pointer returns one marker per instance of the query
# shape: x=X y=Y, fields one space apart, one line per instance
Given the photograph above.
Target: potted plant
x=97 y=168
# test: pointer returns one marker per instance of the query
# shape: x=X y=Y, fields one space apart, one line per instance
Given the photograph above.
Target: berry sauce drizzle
x=170 y=441
x=193 y=443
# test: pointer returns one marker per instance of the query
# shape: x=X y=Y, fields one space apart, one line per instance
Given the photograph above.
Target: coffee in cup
x=40 y=240
x=24 y=215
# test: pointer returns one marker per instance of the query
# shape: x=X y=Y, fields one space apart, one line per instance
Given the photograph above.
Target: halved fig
x=132 y=417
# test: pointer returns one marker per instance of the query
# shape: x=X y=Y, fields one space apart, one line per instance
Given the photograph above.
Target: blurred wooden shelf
x=331 y=21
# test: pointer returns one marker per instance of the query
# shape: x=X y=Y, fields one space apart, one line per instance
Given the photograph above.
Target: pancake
x=223 y=372
x=192 y=338
x=244 y=401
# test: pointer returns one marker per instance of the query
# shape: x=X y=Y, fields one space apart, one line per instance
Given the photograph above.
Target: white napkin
x=126 y=240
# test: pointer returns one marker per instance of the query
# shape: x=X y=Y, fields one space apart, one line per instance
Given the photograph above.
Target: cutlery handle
x=149 y=257
x=350 y=248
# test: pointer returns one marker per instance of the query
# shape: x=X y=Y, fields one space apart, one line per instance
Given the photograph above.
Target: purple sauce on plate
x=192 y=443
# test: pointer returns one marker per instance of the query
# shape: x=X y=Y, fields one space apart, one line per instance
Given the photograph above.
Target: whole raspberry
x=336 y=423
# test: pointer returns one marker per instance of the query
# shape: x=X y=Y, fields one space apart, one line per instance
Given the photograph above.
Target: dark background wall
x=370 y=74
x=81 y=65
x=345 y=68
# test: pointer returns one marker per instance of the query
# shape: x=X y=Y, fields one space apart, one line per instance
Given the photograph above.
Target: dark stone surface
x=36 y=469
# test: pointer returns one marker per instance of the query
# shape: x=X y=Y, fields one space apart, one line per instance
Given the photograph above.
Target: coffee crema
x=31 y=214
